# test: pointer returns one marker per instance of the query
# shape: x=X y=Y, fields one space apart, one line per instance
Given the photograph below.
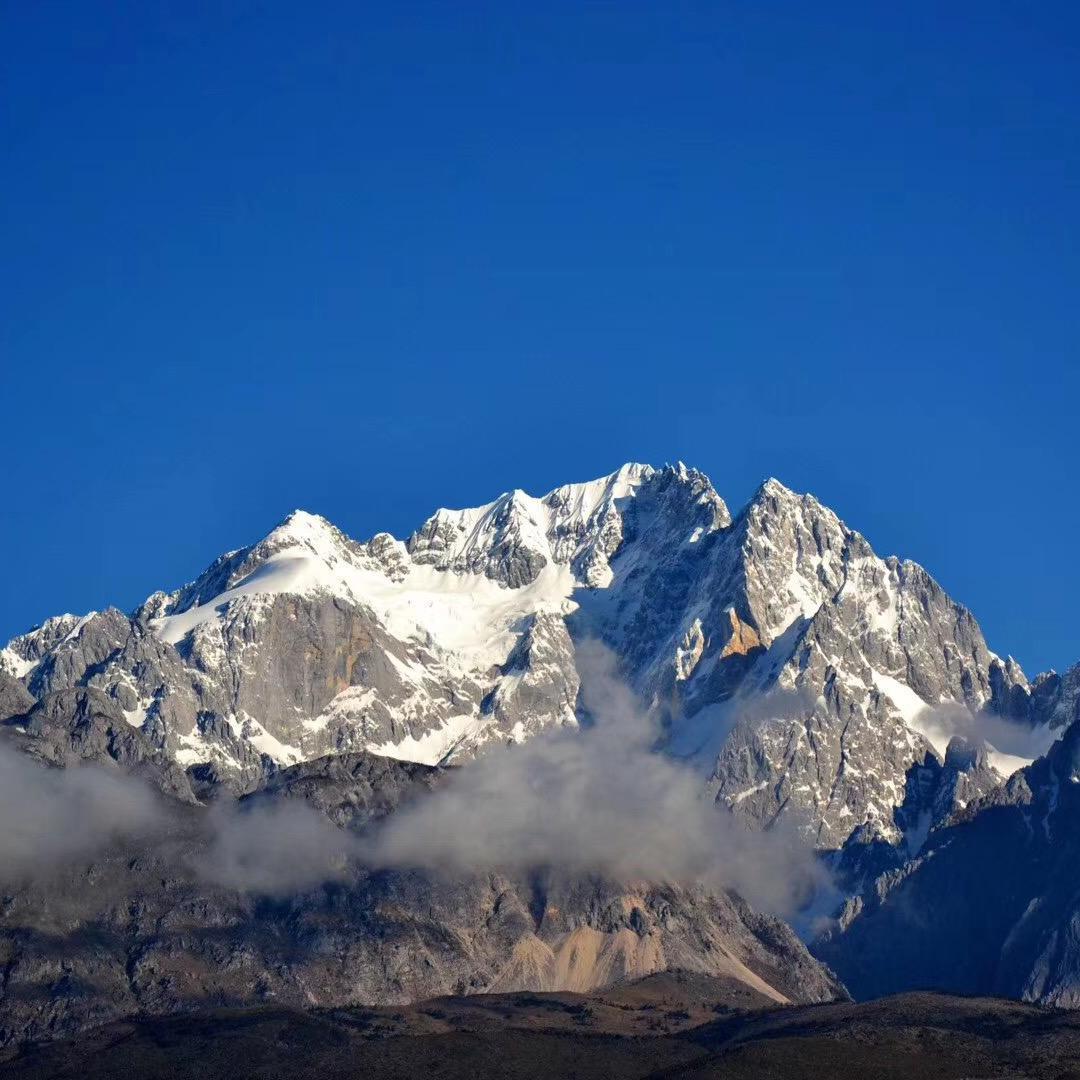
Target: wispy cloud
x=596 y=800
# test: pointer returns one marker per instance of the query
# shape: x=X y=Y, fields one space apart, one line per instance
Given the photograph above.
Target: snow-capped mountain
x=801 y=673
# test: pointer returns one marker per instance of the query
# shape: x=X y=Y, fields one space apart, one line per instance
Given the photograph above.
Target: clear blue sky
x=369 y=259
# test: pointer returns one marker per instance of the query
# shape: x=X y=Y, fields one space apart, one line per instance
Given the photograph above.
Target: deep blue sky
x=370 y=259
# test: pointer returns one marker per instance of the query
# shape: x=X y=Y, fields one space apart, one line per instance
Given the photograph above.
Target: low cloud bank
x=274 y=848
x=1010 y=745
x=49 y=815
x=596 y=800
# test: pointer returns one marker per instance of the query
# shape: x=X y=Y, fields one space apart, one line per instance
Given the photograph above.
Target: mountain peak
x=301 y=526
x=299 y=516
x=446 y=641
x=634 y=471
x=773 y=488
x=773 y=499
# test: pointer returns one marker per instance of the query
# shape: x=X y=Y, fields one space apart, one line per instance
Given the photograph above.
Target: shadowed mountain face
x=992 y=903
x=673 y=1025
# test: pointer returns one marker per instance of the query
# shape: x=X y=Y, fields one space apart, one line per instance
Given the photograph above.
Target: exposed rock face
x=816 y=716
x=1053 y=699
x=22 y=653
x=350 y=790
x=790 y=664
x=989 y=905
x=15 y=699
x=934 y=794
x=82 y=724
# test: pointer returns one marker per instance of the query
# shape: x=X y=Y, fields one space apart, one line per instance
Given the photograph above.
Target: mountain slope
x=801 y=673
x=199 y=907
x=991 y=905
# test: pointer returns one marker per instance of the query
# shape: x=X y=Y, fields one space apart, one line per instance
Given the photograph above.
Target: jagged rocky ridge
x=790 y=663
x=991 y=904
